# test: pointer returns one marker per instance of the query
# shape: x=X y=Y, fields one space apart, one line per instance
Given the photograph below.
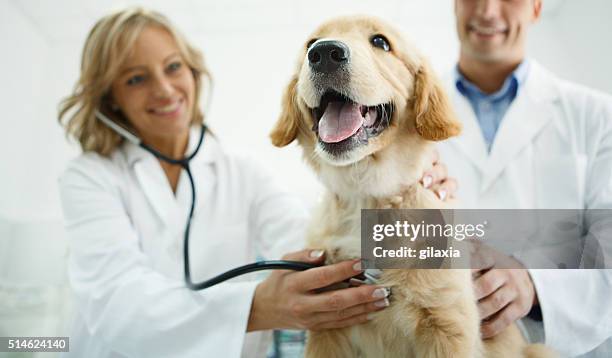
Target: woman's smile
x=171 y=110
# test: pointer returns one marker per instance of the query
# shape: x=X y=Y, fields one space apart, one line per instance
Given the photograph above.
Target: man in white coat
x=530 y=140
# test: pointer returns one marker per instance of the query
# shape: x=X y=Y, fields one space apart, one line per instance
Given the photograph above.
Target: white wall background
x=251 y=48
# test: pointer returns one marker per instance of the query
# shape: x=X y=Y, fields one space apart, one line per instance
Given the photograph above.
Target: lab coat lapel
x=157 y=190
x=202 y=168
x=470 y=142
x=526 y=117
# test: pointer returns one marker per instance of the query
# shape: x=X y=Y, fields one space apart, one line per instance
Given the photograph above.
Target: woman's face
x=155 y=88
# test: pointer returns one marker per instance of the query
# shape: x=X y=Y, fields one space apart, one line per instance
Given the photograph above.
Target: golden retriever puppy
x=365 y=106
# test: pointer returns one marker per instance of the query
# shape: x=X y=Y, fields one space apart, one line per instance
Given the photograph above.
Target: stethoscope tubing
x=184 y=163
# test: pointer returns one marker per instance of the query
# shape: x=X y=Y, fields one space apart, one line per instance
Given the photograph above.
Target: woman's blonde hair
x=107 y=46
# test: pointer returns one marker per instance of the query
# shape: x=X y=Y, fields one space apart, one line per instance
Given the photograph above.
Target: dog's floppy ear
x=435 y=119
x=286 y=129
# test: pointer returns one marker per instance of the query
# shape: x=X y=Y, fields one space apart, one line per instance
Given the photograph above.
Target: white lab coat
x=125 y=228
x=553 y=150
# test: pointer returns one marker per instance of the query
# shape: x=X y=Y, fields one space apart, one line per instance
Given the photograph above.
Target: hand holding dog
x=287 y=299
x=436 y=178
x=504 y=295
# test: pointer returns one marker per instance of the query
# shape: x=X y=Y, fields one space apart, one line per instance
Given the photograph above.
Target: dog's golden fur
x=433 y=312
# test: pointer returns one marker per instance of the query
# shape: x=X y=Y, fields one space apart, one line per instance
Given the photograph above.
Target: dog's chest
x=343 y=246
x=339 y=228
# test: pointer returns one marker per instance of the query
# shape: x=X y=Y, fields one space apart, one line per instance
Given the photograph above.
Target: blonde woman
x=126 y=210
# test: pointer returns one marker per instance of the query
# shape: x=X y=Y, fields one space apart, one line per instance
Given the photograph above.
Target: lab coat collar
x=206 y=154
x=172 y=209
x=470 y=142
x=526 y=116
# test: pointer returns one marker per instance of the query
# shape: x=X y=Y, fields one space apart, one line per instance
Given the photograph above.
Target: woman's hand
x=287 y=299
x=436 y=179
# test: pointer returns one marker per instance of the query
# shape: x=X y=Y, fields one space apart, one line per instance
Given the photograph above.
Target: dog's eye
x=381 y=42
x=310 y=43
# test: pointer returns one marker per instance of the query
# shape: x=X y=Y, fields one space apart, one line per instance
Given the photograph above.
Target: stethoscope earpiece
x=117 y=128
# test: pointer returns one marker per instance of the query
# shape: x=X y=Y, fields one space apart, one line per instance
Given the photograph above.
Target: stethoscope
x=184 y=163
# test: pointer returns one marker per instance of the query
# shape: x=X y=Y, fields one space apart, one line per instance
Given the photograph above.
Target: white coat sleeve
x=124 y=302
x=278 y=218
x=577 y=304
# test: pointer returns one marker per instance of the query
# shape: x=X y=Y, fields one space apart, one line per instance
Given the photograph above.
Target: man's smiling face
x=492 y=30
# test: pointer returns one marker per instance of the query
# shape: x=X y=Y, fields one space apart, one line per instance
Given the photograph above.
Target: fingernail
x=357 y=266
x=355 y=282
x=381 y=292
x=382 y=303
x=427 y=179
x=442 y=194
x=315 y=254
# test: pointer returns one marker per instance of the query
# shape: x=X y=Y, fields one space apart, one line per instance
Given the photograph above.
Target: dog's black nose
x=327 y=56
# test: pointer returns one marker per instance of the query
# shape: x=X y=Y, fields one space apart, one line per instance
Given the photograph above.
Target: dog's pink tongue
x=340 y=121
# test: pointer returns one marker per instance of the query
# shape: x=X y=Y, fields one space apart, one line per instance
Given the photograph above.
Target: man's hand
x=504 y=296
x=436 y=178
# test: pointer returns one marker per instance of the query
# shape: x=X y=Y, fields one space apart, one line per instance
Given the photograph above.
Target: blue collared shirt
x=491 y=108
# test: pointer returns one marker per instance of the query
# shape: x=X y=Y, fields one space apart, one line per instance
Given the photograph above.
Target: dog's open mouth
x=341 y=123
